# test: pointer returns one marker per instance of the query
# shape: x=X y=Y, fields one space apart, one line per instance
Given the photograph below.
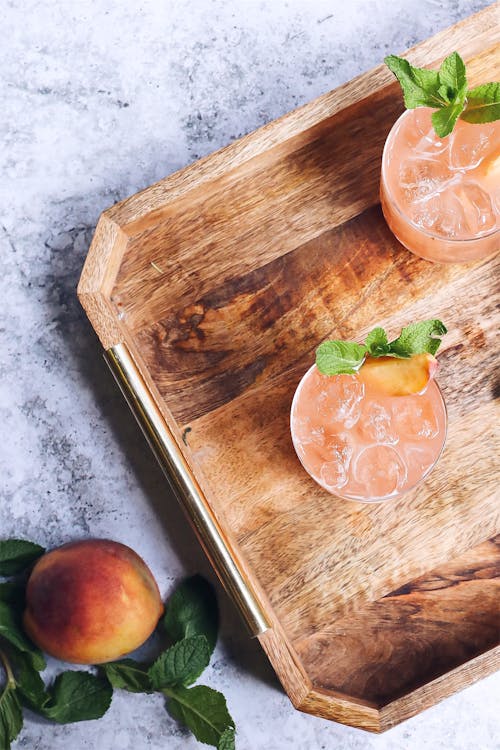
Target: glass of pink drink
x=360 y=444
x=441 y=196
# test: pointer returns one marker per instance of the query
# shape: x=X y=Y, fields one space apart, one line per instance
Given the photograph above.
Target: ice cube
x=420 y=458
x=340 y=403
x=479 y=211
x=414 y=418
x=337 y=453
x=442 y=213
x=427 y=142
x=380 y=470
x=469 y=144
x=375 y=424
x=307 y=432
x=333 y=475
x=421 y=177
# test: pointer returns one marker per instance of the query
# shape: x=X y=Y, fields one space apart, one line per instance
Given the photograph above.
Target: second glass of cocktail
x=376 y=431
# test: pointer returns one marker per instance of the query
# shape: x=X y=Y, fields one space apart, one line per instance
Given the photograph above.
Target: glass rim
x=385 y=498
x=395 y=207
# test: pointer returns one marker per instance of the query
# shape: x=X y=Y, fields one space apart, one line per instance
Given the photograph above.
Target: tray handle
x=185 y=486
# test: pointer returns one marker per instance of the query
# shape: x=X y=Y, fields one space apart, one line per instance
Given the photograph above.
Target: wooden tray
x=210 y=291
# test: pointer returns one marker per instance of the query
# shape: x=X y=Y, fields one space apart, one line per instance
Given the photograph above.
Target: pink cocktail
x=362 y=445
x=441 y=196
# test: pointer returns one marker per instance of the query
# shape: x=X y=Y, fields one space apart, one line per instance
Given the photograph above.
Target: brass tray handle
x=185 y=486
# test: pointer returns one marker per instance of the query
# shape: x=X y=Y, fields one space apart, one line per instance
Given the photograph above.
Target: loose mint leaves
x=346 y=357
x=78 y=696
x=339 y=357
x=11 y=716
x=11 y=630
x=192 y=610
x=204 y=712
x=227 y=740
x=446 y=90
x=30 y=686
x=12 y=593
x=181 y=664
x=16 y=555
x=191 y=621
x=128 y=674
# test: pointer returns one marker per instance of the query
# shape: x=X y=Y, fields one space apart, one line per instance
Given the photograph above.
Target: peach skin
x=398 y=377
x=91 y=601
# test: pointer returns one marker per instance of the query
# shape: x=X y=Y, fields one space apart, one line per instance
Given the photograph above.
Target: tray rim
x=108 y=246
x=94 y=291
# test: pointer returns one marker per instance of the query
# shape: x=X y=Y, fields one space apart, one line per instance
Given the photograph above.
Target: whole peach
x=91 y=601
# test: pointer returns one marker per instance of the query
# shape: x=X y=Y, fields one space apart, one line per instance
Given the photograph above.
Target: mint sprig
x=446 y=91
x=346 y=357
x=191 y=624
x=11 y=716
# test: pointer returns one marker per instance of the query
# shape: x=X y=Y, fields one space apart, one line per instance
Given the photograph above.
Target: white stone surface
x=99 y=99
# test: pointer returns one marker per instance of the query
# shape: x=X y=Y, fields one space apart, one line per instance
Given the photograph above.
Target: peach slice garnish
x=491 y=165
x=490 y=171
x=398 y=377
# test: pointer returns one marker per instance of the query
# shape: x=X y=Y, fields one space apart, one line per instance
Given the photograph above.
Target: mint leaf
x=30 y=686
x=202 y=710
x=12 y=593
x=192 y=610
x=227 y=740
x=483 y=104
x=10 y=629
x=452 y=76
x=427 y=79
x=78 y=696
x=443 y=120
x=181 y=664
x=127 y=674
x=17 y=554
x=377 y=343
x=418 y=338
x=11 y=716
x=420 y=86
x=339 y=357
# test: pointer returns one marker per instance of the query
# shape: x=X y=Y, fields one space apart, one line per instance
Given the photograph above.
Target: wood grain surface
x=398 y=643
x=222 y=279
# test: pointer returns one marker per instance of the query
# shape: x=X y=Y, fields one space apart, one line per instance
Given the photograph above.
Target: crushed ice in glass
x=439 y=181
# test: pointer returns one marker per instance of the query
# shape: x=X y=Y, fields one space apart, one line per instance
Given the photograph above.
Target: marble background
x=100 y=99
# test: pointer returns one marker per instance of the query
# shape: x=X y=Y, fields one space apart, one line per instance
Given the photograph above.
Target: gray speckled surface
x=100 y=99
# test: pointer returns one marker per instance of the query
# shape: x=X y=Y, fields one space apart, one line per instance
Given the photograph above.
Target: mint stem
x=11 y=681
